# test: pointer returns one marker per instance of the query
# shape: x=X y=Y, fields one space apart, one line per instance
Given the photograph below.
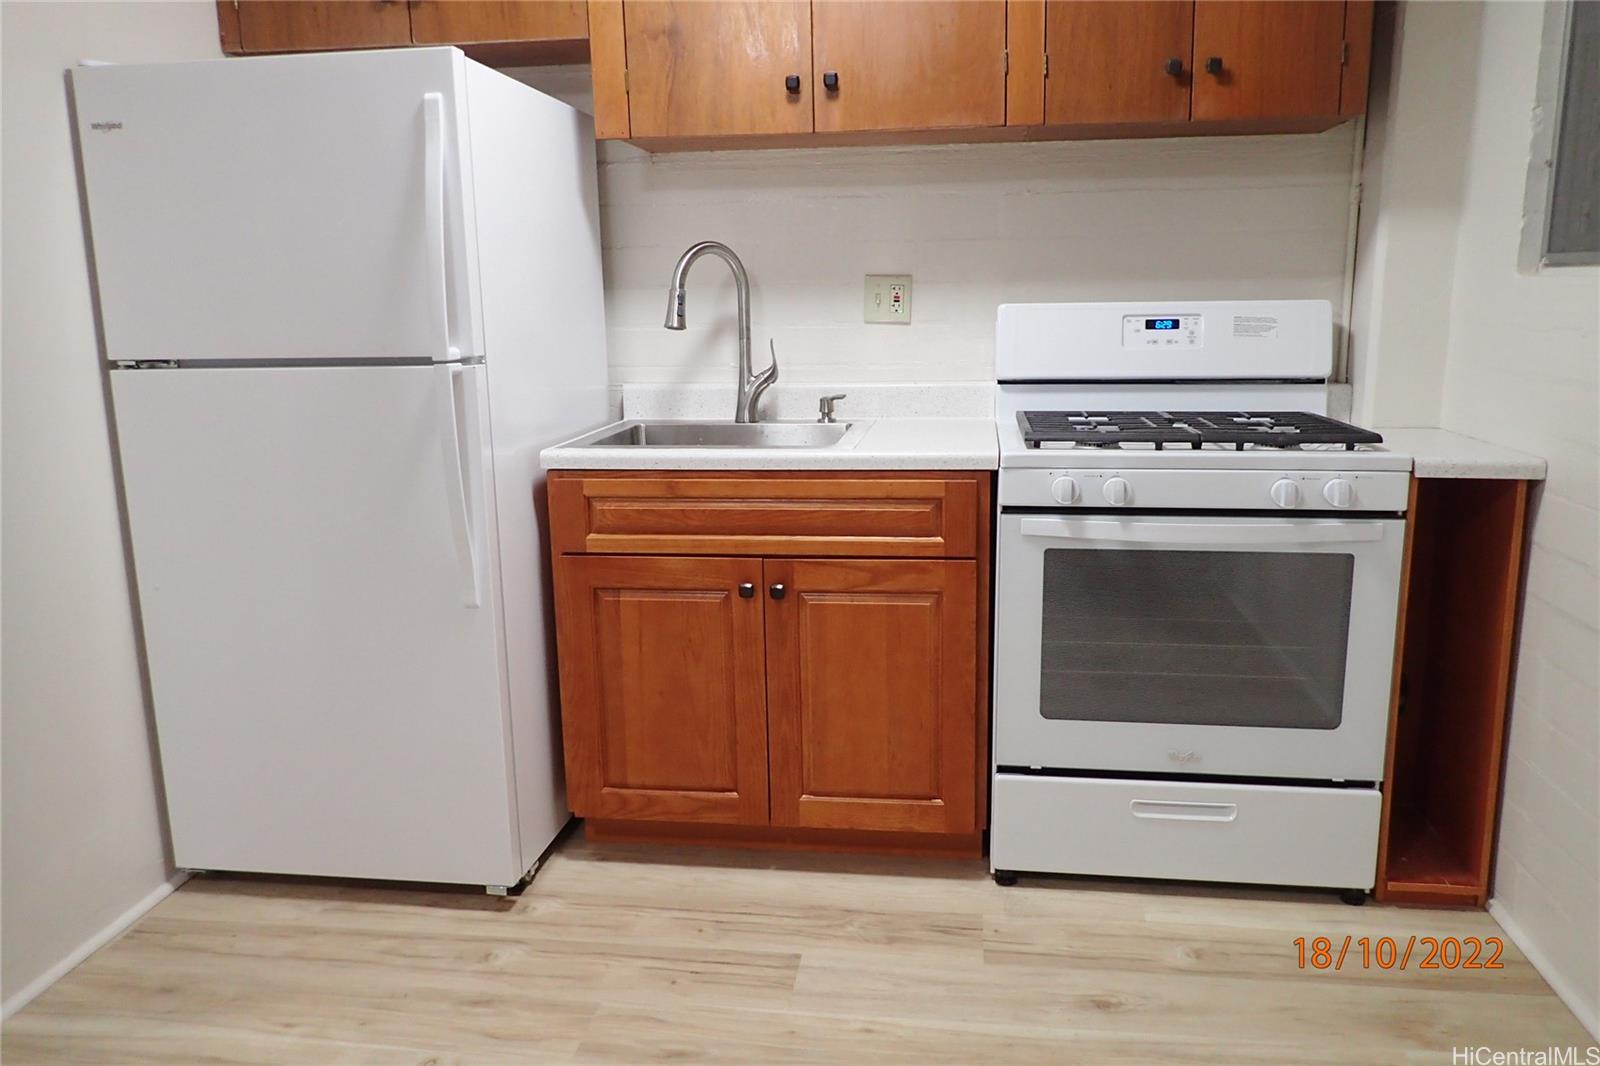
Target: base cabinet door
x=871 y=678
x=662 y=681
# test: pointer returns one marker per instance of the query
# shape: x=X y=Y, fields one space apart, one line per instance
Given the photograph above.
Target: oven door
x=1243 y=645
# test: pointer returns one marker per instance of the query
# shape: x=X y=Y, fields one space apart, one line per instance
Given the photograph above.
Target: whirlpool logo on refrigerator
x=105 y=127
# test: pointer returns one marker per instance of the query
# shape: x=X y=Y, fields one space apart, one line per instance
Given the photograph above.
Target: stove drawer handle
x=1184 y=810
x=1203 y=533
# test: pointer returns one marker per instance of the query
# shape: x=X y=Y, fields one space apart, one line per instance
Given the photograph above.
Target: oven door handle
x=1205 y=533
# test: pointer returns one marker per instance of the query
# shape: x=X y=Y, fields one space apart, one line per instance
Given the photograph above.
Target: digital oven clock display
x=1160 y=323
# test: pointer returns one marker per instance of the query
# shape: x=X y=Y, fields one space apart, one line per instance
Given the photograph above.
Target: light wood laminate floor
x=643 y=954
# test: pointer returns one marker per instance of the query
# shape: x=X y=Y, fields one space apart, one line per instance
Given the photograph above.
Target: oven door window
x=1230 y=638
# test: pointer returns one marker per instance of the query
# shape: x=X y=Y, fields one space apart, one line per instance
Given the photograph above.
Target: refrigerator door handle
x=433 y=165
x=459 y=467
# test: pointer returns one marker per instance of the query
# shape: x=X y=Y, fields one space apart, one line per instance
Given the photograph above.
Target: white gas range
x=1198 y=575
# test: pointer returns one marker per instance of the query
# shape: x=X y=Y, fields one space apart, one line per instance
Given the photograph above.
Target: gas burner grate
x=1111 y=429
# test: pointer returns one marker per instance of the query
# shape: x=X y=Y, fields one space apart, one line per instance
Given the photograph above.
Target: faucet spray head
x=675 y=308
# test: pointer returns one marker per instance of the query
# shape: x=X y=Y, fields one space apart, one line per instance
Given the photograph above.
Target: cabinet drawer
x=767 y=513
x=1259 y=834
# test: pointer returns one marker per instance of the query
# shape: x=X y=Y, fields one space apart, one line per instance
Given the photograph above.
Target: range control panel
x=1162 y=331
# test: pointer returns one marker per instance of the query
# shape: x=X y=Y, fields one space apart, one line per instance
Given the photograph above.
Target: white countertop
x=1439 y=453
x=884 y=444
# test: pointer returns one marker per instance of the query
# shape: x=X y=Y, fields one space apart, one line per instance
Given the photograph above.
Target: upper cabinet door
x=310 y=26
x=663 y=702
x=473 y=21
x=1118 y=62
x=872 y=669
x=707 y=68
x=1260 y=59
x=908 y=65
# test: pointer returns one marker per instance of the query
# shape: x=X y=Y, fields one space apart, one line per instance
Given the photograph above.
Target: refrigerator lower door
x=319 y=607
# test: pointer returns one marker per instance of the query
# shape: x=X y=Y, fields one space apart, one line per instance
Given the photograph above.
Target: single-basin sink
x=673 y=434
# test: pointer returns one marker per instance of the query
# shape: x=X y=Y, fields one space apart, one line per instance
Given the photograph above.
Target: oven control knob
x=1117 y=491
x=1339 y=492
x=1285 y=493
x=1064 y=489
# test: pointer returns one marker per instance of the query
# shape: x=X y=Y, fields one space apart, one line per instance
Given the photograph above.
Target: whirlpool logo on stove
x=1183 y=756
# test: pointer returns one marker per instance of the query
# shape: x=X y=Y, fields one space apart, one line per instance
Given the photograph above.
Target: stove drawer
x=1195 y=831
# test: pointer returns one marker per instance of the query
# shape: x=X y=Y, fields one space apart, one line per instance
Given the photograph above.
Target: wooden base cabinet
x=818 y=700
x=664 y=656
x=871 y=678
x=1453 y=666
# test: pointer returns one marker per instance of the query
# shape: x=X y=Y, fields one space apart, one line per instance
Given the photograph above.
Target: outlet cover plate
x=887 y=299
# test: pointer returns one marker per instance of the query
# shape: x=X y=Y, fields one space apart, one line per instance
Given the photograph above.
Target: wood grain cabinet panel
x=871 y=687
x=908 y=65
x=310 y=26
x=662 y=686
x=474 y=21
x=1118 y=62
x=766 y=514
x=703 y=68
x=1278 y=58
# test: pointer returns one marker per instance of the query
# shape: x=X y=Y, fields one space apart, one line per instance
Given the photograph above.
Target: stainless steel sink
x=646 y=434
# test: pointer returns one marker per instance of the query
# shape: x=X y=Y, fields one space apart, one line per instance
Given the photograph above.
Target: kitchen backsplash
x=975 y=225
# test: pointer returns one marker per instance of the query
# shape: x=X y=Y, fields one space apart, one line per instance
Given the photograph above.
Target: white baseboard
x=1588 y=1014
x=31 y=990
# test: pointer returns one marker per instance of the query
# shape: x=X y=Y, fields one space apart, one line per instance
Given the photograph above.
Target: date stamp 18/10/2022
x=1399 y=953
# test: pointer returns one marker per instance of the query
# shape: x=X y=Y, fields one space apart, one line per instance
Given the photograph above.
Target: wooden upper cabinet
x=474 y=21
x=663 y=687
x=1277 y=58
x=1118 y=62
x=872 y=668
x=306 y=26
x=908 y=65
x=707 y=68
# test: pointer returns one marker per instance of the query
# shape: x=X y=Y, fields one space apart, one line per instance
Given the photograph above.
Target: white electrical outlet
x=887 y=299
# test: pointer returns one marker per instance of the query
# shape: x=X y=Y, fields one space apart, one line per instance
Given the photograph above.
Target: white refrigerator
x=346 y=299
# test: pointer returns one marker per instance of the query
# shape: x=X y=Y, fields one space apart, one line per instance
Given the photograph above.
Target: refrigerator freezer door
x=282 y=208
x=327 y=699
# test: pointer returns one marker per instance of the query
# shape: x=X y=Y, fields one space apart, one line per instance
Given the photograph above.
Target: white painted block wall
x=1449 y=332
x=976 y=225
x=1523 y=369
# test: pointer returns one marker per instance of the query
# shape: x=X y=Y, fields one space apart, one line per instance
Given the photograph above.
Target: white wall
x=1523 y=369
x=1457 y=336
x=975 y=225
x=81 y=839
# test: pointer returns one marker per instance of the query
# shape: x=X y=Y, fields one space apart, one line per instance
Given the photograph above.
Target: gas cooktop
x=1189 y=429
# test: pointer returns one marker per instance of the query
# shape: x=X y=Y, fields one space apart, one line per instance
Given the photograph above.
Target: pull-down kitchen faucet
x=751 y=385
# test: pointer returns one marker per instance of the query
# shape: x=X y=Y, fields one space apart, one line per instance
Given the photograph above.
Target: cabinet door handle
x=747 y=590
x=1214 y=65
x=1175 y=67
x=830 y=80
x=778 y=591
x=792 y=84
